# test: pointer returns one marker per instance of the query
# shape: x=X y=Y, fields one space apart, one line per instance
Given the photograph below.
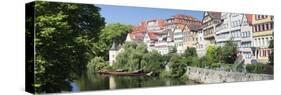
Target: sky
x=134 y=15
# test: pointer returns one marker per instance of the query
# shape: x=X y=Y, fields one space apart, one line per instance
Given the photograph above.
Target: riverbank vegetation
x=64 y=32
x=227 y=58
x=73 y=38
x=136 y=57
x=69 y=37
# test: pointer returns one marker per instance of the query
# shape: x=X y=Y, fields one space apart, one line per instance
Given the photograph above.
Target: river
x=91 y=82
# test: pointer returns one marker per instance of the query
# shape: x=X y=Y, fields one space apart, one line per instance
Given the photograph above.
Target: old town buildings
x=210 y=21
x=262 y=34
x=237 y=28
x=251 y=34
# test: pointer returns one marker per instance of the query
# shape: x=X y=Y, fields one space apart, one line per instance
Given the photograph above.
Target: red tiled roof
x=136 y=35
x=187 y=17
x=182 y=19
x=249 y=18
x=152 y=35
x=194 y=26
x=161 y=23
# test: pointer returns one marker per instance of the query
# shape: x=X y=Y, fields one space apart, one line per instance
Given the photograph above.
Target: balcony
x=209 y=36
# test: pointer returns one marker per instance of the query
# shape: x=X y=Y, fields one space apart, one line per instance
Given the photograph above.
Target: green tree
x=112 y=33
x=212 y=54
x=203 y=62
x=229 y=52
x=115 y=32
x=136 y=57
x=190 y=57
x=131 y=57
x=152 y=61
x=178 y=66
x=190 y=52
x=271 y=56
x=96 y=64
x=63 y=34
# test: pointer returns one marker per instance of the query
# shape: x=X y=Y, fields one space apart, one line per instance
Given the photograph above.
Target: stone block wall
x=214 y=76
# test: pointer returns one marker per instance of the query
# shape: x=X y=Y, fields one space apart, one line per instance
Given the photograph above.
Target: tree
x=229 y=52
x=203 y=62
x=131 y=57
x=115 y=32
x=190 y=52
x=178 y=66
x=112 y=33
x=152 y=61
x=63 y=33
x=190 y=57
x=271 y=56
x=96 y=64
x=212 y=54
x=136 y=57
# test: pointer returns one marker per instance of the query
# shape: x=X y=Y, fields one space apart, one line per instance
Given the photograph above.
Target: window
x=257 y=17
x=269 y=52
x=267 y=41
x=262 y=42
x=264 y=52
x=259 y=42
x=271 y=25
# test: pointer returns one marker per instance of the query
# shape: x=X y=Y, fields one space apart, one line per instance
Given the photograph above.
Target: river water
x=91 y=82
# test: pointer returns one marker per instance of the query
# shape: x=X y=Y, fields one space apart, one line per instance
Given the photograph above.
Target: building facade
x=200 y=45
x=262 y=35
x=237 y=28
x=210 y=21
x=113 y=52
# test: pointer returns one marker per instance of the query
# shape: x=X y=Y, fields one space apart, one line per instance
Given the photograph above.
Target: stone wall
x=214 y=76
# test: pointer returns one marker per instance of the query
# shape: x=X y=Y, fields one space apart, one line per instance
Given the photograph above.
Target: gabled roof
x=161 y=23
x=214 y=15
x=186 y=17
x=136 y=35
x=249 y=18
x=152 y=35
x=194 y=26
x=115 y=47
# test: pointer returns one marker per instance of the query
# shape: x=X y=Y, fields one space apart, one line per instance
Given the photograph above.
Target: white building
x=200 y=47
x=178 y=40
x=246 y=38
x=113 y=52
x=236 y=27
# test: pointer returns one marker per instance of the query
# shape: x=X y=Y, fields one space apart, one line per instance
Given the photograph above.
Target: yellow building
x=262 y=34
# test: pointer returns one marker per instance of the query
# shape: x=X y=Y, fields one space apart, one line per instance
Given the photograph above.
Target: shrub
x=259 y=68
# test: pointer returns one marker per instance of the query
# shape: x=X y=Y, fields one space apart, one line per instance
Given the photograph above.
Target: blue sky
x=134 y=15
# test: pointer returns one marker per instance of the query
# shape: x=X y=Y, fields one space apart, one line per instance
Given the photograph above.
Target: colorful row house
x=251 y=33
x=262 y=35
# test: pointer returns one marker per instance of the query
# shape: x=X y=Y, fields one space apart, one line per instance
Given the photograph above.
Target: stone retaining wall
x=214 y=76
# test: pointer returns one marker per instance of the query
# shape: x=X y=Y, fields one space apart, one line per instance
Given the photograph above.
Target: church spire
x=113 y=47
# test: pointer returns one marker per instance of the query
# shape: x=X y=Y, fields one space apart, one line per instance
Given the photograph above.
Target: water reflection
x=89 y=82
